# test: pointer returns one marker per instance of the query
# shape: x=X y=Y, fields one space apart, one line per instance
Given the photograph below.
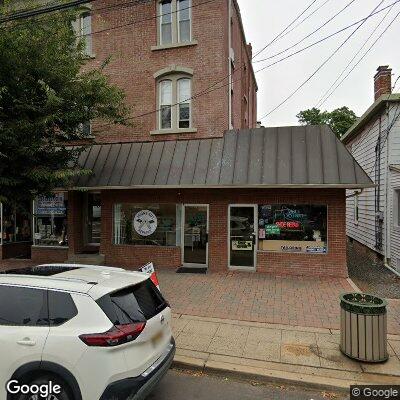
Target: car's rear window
x=136 y=303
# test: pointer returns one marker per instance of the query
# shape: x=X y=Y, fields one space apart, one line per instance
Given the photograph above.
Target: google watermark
x=43 y=390
x=374 y=392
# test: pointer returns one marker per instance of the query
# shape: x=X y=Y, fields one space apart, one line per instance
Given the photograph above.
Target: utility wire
x=320 y=67
x=310 y=34
x=277 y=37
x=215 y=86
x=330 y=92
x=44 y=10
x=305 y=19
x=388 y=129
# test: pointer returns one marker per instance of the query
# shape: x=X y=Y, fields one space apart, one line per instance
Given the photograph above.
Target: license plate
x=157 y=339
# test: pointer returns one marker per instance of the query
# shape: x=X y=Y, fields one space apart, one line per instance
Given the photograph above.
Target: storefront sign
x=145 y=223
x=272 y=229
x=288 y=224
x=242 y=245
x=291 y=249
x=53 y=205
x=316 y=249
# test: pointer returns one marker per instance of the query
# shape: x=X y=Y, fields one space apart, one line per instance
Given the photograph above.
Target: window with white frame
x=85 y=31
x=174 y=102
x=175 y=22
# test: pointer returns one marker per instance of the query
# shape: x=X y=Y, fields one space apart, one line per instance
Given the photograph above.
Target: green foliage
x=340 y=120
x=46 y=95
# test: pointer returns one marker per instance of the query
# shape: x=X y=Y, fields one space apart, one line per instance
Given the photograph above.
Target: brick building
x=192 y=182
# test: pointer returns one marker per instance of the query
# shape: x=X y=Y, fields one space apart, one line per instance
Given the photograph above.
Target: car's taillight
x=154 y=279
x=117 y=335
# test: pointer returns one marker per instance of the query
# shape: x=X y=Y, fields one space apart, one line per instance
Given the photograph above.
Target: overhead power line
x=44 y=10
x=215 y=86
x=333 y=88
x=286 y=28
x=310 y=34
x=320 y=66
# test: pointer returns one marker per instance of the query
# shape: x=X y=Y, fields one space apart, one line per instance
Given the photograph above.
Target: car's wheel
x=44 y=381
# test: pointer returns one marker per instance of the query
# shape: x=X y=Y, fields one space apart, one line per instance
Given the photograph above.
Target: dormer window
x=174 y=22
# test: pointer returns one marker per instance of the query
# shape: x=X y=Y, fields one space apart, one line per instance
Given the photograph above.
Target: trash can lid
x=363 y=303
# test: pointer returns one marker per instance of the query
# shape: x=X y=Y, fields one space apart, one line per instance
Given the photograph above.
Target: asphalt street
x=182 y=385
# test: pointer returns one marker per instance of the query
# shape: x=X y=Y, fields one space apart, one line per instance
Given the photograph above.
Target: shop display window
x=147 y=224
x=288 y=228
x=51 y=223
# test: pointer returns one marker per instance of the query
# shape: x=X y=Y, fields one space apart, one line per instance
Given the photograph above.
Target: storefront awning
x=284 y=157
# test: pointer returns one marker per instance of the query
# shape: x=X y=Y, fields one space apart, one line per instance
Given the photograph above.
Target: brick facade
x=134 y=61
x=331 y=264
x=46 y=255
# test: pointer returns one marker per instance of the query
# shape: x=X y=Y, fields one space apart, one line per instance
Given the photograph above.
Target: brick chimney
x=383 y=81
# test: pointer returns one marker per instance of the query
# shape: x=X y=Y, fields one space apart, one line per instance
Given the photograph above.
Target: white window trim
x=174 y=78
x=79 y=27
x=178 y=22
x=175 y=31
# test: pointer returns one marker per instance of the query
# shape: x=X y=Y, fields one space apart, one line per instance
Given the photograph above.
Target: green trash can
x=363 y=327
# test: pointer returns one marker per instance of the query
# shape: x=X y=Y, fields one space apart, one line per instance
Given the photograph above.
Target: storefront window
x=288 y=228
x=15 y=224
x=51 y=227
x=147 y=224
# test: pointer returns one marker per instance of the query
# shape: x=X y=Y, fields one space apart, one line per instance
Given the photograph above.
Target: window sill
x=89 y=56
x=173 y=131
x=294 y=252
x=56 y=247
x=173 y=45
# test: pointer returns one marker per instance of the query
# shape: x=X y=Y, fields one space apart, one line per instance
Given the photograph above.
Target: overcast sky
x=264 y=19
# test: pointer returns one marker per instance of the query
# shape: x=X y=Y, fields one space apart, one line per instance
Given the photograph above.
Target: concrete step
x=88 y=259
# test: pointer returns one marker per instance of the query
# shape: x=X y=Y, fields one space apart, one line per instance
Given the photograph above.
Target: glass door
x=242 y=236
x=195 y=236
x=93 y=219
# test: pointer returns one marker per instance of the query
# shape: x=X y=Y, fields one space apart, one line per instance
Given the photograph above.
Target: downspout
x=230 y=70
x=387 y=191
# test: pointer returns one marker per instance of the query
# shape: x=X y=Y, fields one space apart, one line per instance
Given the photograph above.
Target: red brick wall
x=15 y=250
x=331 y=264
x=133 y=65
x=75 y=222
x=47 y=255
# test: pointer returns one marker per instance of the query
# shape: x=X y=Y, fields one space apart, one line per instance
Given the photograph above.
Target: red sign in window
x=288 y=224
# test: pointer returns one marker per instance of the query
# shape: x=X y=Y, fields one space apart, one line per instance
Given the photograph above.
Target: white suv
x=73 y=332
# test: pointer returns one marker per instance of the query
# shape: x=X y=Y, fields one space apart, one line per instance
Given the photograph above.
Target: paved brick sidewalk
x=300 y=354
x=296 y=301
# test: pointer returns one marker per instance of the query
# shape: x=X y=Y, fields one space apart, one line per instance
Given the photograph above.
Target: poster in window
x=291 y=228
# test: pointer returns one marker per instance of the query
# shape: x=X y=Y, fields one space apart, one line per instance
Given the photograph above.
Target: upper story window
x=175 y=21
x=174 y=102
x=85 y=31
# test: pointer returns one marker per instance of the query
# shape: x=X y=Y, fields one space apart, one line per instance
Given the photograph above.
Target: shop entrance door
x=195 y=236
x=92 y=220
x=242 y=237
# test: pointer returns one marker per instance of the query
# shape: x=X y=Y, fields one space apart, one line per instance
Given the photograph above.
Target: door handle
x=27 y=342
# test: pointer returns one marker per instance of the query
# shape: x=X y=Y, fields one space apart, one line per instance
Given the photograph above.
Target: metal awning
x=284 y=157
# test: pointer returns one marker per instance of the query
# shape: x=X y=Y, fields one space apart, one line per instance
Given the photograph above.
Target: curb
x=276 y=376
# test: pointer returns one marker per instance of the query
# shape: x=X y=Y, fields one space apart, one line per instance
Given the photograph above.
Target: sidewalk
x=280 y=353
x=243 y=296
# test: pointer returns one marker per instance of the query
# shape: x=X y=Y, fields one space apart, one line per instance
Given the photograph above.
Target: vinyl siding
x=363 y=150
x=394 y=225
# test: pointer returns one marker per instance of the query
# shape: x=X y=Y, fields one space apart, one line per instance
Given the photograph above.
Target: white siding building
x=374 y=141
